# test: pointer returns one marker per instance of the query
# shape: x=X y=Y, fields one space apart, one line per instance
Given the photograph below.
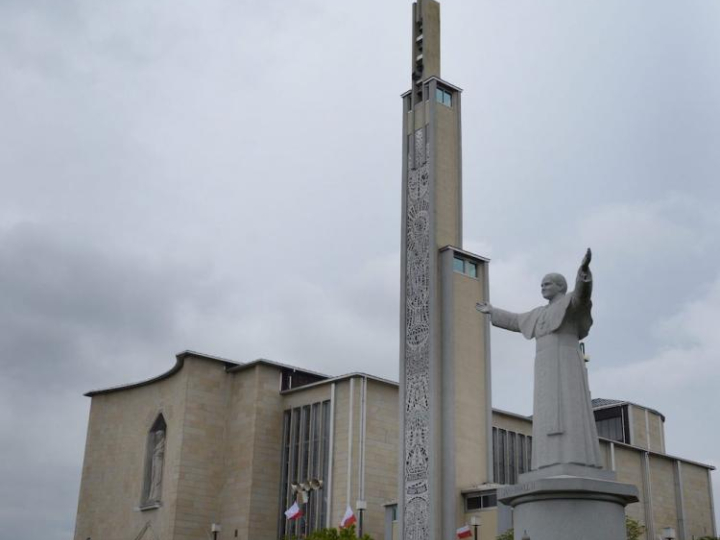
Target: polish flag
x=293 y=512
x=348 y=519
x=464 y=532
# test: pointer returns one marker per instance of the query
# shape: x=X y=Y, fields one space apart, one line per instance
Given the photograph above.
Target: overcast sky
x=224 y=176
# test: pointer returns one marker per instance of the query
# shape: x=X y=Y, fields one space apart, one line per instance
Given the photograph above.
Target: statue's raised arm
x=583 y=283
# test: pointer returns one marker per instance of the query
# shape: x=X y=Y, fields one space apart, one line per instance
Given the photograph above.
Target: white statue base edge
x=569 y=508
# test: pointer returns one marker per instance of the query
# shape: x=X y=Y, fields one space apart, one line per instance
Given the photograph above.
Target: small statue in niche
x=156 y=467
x=563 y=423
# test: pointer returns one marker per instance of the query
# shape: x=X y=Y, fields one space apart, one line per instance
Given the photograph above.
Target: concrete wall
x=447 y=170
x=114 y=462
x=648 y=429
x=201 y=469
x=381 y=455
x=662 y=482
x=696 y=497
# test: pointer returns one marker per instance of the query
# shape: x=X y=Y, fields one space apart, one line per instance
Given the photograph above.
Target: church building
x=220 y=449
x=242 y=442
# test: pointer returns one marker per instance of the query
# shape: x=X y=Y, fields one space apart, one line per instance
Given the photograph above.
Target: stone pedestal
x=565 y=507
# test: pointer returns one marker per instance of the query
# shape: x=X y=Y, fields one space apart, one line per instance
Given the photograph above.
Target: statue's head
x=553 y=285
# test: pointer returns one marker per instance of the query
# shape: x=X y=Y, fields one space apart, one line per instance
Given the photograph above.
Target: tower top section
x=425 y=41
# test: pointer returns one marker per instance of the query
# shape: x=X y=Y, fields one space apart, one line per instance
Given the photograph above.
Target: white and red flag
x=294 y=511
x=348 y=519
x=464 y=532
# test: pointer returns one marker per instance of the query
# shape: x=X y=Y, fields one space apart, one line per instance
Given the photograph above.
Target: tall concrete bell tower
x=445 y=396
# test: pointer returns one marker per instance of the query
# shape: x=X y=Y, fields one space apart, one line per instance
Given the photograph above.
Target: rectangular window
x=512 y=470
x=284 y=471
x=610 y=424
x=496 y=460
x=305 y=460
x=478 y=501
x=529 y=453
x=462 y=266
x=511 y=455
x=443 y=96
x=502 y=461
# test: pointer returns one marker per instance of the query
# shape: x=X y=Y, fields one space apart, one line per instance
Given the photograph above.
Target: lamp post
x=475 y=522
x=215 y=528
x=361 y=506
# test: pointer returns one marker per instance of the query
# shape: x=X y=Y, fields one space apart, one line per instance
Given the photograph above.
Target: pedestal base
x=569 y=508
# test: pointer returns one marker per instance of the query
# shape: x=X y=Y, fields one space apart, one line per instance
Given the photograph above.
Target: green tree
x=634 y=528
x=507 y=535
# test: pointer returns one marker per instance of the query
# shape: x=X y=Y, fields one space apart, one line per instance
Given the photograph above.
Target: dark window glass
x=529 y=453
x=512 y=471
x=305 y=457
x=471 y=269
x=459 y=265
x=284 y=473
x=610 y=424
x=496 y=458
x=502 y=461
x=521 y=453
x=477 y=501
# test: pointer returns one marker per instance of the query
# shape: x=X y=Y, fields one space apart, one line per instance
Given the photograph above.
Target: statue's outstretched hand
x=484 y=307
x=585 y=264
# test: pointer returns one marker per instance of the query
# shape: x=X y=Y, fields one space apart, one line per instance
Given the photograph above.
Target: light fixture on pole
x=215 y=528
x=475 y=522
x=361 y=506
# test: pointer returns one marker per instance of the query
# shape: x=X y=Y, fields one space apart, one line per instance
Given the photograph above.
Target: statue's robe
x=563 y=423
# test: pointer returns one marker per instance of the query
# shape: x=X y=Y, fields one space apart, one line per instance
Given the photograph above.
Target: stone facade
x=223 y=451
x=223 y=457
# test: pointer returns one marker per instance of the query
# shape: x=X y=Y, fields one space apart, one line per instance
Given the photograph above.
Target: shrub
x=347 y=533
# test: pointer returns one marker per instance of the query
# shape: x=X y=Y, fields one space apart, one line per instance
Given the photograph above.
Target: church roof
x=230 y=366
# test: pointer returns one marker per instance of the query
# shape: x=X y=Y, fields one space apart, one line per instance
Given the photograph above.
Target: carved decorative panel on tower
x=443 y=368
x=417 y=342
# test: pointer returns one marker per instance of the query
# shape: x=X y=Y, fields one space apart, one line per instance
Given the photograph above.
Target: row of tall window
x=305 y=460
x=511 y=455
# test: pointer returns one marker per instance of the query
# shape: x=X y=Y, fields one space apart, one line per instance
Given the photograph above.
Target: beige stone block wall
x=488 y=523
x=471 y=403
x=696 y=495
x=201 y=471
x=655 y=425
x=511 y=423
x=340 y=450
x=662 y=482
x=113 y=468
x=629 y=466
x=447 y=204
x=238 y=459
x=381 y=455
x=606 y=455
x=267 y=453
x=299 y=398
x=637 y=418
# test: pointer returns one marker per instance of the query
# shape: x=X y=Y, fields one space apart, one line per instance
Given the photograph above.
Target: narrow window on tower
x=443 y=96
